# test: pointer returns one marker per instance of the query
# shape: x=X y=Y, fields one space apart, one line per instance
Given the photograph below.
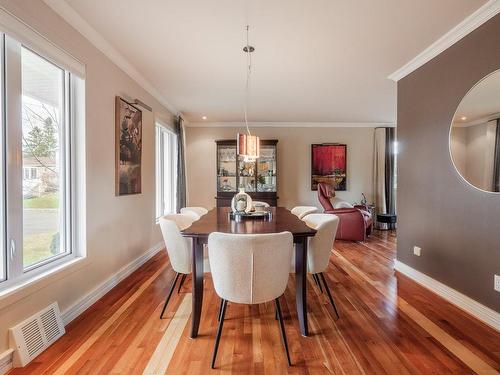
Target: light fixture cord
x=247 y=86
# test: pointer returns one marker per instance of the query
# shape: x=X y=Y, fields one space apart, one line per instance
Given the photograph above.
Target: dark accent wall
x=456 y=225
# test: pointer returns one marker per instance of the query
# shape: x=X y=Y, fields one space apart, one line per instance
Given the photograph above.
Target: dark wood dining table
x=217 y=220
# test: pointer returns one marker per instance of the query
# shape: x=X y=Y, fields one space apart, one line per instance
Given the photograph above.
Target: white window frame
x=3 y=226
x=165 y=170
x=13 y=173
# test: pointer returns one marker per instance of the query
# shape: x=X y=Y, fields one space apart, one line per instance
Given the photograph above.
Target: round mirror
x=475 y=135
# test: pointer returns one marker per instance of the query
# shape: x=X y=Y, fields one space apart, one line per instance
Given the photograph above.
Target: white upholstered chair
x=250 y=269
x=319 y=248
x=301 y=211
x=196 y=212
x=179 y=248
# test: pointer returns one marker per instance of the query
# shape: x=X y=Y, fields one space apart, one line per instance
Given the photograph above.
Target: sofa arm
x=362 y=207
x=351 y=224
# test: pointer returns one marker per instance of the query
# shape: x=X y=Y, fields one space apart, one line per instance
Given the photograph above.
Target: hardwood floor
x=388 y=325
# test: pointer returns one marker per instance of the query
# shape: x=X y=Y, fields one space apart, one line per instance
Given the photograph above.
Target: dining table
x=279 y=220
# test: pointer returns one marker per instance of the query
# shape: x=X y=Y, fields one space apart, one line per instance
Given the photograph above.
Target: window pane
x=159 y=198
x=43 y=159
x=167 y=201
x=3 y=249
x=166 y=149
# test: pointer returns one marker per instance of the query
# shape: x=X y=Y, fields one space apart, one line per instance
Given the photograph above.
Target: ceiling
x=481 y=103
x=314 y=61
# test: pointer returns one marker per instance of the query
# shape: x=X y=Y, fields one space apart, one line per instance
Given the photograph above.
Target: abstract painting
x=128 y=148
x=328 y=165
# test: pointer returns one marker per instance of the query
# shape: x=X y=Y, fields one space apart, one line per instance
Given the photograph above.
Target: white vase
x=241 y=202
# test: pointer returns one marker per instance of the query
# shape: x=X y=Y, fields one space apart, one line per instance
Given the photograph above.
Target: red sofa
x=355 y=224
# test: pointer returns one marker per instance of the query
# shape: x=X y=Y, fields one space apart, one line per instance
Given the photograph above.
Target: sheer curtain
x=384 y=167
x=181 y=164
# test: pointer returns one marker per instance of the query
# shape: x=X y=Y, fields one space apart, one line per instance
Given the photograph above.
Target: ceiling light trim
x=469 y=24
x=70 y=15
x=237 y=124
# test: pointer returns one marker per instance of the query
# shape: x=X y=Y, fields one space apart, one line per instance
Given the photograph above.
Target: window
x=37 y=128
x=166 y=170
x=43 y=127
x=3 y=227
x=30 y=173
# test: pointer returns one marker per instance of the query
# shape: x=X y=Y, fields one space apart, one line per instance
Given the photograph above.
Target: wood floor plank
x=388 y=325
x=160 y=359
x=107 y=324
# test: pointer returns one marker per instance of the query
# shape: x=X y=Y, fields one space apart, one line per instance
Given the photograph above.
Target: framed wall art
x=329 y=165
x=128 y=148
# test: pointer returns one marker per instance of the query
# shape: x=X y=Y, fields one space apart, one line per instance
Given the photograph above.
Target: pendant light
x=248 y=145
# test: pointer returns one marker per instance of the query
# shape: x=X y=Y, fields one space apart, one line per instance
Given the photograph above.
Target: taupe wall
x=456 y=225
x=294 y=162
x=118 y=229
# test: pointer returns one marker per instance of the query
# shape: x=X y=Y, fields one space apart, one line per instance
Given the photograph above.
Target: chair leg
x=315 y=279
x=220 y=310
x=329 y=294
x=169 y=295
x=318 y=283
x=282 y=329
x=182 y=281
x=219 y=331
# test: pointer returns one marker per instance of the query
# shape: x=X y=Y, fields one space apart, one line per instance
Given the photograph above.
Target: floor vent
x=36 y=334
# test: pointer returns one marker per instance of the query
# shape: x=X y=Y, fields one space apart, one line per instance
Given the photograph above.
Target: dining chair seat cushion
x=250 y=268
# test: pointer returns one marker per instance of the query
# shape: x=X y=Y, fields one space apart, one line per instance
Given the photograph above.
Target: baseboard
x=6 y=359
x=474 y=308
x=87 y=301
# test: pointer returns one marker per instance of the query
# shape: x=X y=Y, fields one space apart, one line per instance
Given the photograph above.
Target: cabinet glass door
x=226 y=169
x=246 y=174
x=266 y=169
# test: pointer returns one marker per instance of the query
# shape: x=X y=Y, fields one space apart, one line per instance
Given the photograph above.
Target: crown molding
x=472 y=22
x=291 y=124
x=63 y=9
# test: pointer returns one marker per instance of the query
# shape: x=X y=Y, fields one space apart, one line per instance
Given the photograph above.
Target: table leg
x=300 y=287
x=197 y=286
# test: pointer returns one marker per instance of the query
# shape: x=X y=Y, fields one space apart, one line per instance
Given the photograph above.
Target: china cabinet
x=258 y=178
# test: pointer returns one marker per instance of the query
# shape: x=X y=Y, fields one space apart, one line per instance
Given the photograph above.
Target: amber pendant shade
x=248 y=146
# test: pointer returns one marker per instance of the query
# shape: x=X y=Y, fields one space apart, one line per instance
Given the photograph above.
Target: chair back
x=320 y=245
x=301 y=211
x=196 y=212
x=250 y=268
x=192 y=214
x=325 y=192
x=178 y=247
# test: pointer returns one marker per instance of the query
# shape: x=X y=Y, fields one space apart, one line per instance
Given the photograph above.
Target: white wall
x=294 y=162
x=119 y=229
